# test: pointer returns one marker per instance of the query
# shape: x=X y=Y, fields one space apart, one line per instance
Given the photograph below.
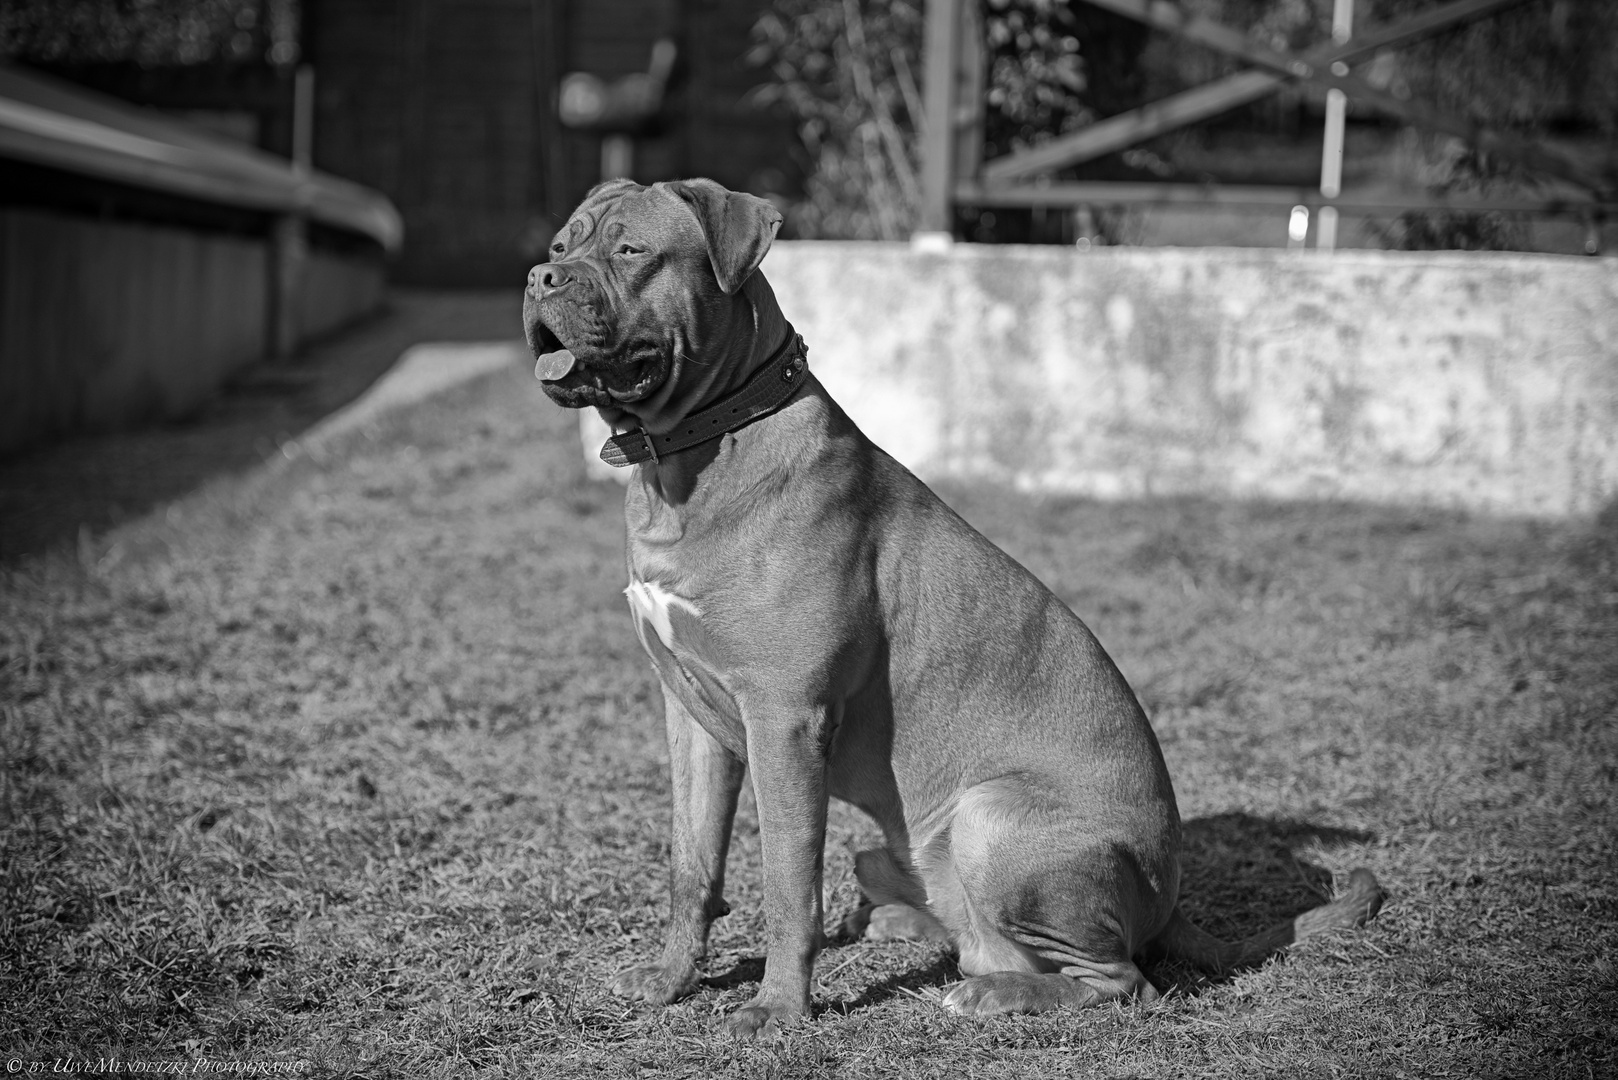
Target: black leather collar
x=765 y=391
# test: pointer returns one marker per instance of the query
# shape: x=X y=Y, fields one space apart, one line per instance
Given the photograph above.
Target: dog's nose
x=547 y=278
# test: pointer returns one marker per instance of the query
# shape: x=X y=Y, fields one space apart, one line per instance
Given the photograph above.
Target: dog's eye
x=628 y=249
x=557 y=249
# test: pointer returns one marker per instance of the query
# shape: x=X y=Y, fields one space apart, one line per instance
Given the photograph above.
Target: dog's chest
x=655 y=609
x=686 y=655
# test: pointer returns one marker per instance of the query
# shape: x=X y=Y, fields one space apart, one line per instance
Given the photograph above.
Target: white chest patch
x=652 y=604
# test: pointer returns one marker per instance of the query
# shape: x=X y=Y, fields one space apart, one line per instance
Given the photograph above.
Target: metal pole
x=1331 y=157
x=303 y=118
x=288 y=249
x=289 y=237
x=617 y=157
x=937 y=172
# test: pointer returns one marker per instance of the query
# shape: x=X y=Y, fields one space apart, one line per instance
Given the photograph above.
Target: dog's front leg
x=786 y=753
x=707 y=779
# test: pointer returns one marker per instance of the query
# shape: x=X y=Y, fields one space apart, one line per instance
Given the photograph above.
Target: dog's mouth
x=562 y=376
x=552 y=359
x=575 y=383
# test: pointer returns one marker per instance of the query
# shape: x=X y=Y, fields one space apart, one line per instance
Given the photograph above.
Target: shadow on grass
x=1241 y=874
x=75 y=486
x=941 y=972
x=750 y=970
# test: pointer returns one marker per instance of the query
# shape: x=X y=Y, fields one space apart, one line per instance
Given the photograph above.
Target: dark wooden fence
x=142 y=262
x=448 y=106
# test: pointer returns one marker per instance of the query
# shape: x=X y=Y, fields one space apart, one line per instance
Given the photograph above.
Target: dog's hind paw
x=1001 y=992
x=891 y=922
x=852 y=928
x=656 y=983
x=901 y=922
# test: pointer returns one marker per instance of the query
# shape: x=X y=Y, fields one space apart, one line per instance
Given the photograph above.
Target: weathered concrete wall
x=1477 y=380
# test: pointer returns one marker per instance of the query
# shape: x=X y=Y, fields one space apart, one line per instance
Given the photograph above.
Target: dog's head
x=642 y=292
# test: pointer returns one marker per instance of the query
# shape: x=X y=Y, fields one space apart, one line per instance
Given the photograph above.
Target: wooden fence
x=143 y=261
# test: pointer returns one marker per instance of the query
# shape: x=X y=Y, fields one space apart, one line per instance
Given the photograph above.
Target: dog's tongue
x=553 y=365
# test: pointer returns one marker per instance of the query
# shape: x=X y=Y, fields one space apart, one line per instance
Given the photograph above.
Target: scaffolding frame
x=955 y=174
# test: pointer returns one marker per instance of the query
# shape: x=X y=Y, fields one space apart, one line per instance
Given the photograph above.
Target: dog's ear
x=739 y=228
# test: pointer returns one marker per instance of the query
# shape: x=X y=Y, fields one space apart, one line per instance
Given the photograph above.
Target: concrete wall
x=106 y=323
x=1479 y=380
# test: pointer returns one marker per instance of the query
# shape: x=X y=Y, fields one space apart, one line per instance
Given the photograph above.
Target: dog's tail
x=1184 y=940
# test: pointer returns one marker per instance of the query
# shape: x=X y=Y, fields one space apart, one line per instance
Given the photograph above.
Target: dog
x=819 y=618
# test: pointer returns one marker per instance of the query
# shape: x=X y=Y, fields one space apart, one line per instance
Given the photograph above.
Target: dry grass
x=357 y=765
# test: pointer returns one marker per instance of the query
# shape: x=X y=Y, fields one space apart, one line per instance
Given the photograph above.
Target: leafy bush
x=848 y=70
x=152 y=33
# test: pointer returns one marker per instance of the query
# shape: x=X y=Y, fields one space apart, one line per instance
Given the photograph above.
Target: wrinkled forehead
x=616 y=211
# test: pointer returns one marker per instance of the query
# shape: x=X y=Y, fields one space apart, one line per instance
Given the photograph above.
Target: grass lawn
x=356 y=765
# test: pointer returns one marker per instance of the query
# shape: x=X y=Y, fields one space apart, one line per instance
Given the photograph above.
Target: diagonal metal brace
x=1164 y=15
x=1222 y=95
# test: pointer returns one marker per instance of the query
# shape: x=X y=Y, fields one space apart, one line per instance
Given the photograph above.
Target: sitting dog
x=817 y=616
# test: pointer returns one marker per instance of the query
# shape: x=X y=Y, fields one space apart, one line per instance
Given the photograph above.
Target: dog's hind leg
x=1047 y=913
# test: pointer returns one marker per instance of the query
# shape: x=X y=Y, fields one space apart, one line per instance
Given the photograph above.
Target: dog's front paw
x=656 y=983
x=760 y=1020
